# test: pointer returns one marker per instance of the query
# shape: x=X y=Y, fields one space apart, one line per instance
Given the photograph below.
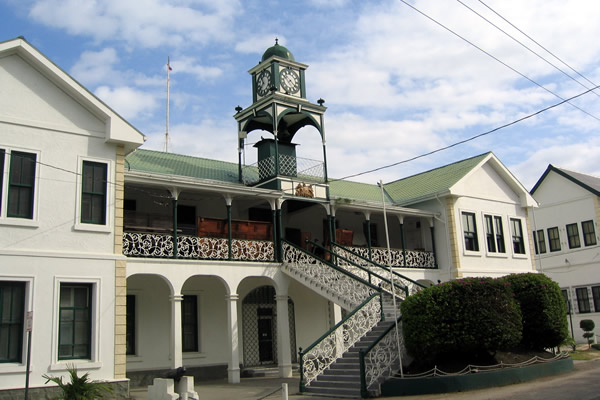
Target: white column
x=284 y=355
x=339 y=338
x=233 y=369
x=176 y=348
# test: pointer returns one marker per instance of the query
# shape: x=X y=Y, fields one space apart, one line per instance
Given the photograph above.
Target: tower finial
x=276 y=41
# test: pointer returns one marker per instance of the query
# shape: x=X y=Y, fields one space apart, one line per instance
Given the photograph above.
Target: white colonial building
x=567 y=246
x=135 y=262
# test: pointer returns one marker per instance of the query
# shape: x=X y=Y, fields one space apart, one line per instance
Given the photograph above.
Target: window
x=554 y=239
x=75 y=328
x=499 y=235
x=489 y=233
x=21 y=183
x=573 y=236
x=2 y=153
x=596 y=297
x=12 y=310
x=130 y=324
x=189 y=323
x=93 y=193
x=583 y=301
x=540 y=241
x=470 y=231
x=589 y=234
x=565 y=295
x=517 y=236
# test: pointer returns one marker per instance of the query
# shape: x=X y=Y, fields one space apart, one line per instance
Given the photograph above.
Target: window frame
x=588 y=235
x=18 y=321
x=555 y=240
x=540 y=245
x=573 y=238
x=107 y=226
x=490 y=235
x=74 y=308
x=5 y=188
x=517 y=239
x=583 y=300
x=475 y=237
x=596 y=298
x=93 y=194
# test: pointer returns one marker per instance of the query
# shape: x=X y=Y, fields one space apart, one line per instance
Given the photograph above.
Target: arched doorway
x=259 y=319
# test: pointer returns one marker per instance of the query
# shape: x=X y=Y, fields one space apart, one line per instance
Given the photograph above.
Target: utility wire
x=525 y=46
x=536 y=42
x=495 y=58
x=468 y=139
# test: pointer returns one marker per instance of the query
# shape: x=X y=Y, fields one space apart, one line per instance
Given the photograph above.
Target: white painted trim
x=96 y=328
x=110 y=199
x=495 y=254
x=524 y=235
x=465 y=252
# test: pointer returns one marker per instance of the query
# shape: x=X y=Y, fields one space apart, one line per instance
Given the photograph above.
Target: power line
x=495 y=58
x=468 y=139
x=524 y=45
x=536 y=42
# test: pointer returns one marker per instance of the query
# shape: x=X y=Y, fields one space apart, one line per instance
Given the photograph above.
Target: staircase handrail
x=333 y=266
x=336 y=341
x=416 y=286
x=385 y=357
x=370 y=273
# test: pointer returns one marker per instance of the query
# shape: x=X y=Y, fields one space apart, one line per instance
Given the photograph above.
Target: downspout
x=175 y=194
x=431 y=224
x=401 y=220
x=228 y=200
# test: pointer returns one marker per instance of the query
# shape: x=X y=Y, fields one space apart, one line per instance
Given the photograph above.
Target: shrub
x=596 y=346
x=80 y=387
x=588 y=326
x=469 y=315
x=543 y=310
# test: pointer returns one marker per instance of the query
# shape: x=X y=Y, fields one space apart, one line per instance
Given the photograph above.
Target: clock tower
x=279 y=106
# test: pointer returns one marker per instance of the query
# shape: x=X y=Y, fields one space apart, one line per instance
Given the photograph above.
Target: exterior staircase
x=343 y=378
x=355 y=356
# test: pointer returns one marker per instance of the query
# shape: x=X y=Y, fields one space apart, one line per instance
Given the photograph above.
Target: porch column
x=228 y=200
x=175 y=194
x=368 y=223
x=273 y=204
x=401 y=220
x=284 y=351
x=233 y=367
x=176 y=346
x=280 y=233
x=433 y=242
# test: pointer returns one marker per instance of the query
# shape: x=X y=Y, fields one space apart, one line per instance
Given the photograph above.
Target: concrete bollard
x=284 y=391
x=185 y=388
x=162 y=389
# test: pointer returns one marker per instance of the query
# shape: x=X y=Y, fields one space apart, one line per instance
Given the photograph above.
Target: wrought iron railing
x=347 y=254
x=329 y=347
x=414 y=258
x=302 y=168
x=381 y=359
x=154 y=245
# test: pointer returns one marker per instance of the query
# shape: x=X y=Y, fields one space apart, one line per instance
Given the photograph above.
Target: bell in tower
x=279 y=107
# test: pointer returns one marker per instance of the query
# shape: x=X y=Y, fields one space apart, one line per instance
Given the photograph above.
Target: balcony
x=303 y=169
x=398 y=258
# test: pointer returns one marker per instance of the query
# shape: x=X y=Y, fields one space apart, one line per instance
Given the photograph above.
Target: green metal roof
x=176 y=164
x=355 y=191
x=403 y=191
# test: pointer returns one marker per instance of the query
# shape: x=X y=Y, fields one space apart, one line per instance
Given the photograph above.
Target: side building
x=566 y=240
x=61 y=193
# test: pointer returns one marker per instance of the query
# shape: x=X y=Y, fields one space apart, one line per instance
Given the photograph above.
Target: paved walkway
x=581 y=384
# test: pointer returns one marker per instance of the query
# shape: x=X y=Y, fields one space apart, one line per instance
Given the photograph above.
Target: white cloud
x=95 y=67
x=145 y=23
x=258 y=43
x=128 y=102
x=200 y=72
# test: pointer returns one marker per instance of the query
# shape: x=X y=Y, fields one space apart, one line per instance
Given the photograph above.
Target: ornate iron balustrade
x=348 y=287
x=139 y=244
x=414 y=258
x=321 y=354
x=302 y=168
x=382 y=358
x=378 y=274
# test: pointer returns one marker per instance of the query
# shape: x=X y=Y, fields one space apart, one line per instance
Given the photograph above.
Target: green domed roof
x=278 y=51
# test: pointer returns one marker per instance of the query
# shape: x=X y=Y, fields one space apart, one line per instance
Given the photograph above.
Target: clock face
x=263 y=82
x=289 y=81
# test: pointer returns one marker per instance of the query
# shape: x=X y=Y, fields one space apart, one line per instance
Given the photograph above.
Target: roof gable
x=587 y=182
x=117 y=130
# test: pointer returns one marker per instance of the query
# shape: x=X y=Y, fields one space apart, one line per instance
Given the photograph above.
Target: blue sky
x=396 y=84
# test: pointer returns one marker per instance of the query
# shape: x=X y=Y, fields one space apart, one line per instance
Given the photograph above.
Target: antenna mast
x=168 y=90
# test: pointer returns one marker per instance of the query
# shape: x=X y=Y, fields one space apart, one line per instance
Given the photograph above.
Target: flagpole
x=168 y=90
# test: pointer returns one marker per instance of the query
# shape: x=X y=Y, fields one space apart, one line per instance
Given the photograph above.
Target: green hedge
x=468 y=315
x=543 y=309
